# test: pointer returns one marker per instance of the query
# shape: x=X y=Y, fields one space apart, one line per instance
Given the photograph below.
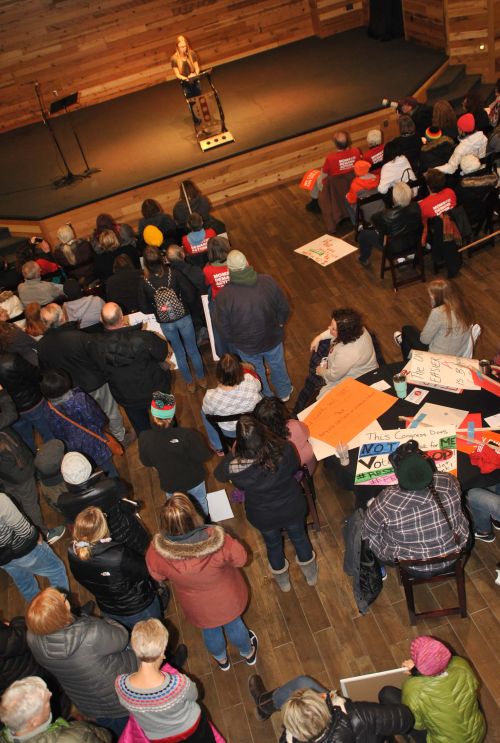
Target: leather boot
x=309 y=570
x=262 y=698
x=282 y=577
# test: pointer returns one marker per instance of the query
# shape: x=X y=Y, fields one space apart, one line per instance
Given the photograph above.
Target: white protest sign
x=326 y=250
x=210 y=329
x=374 y=467
x=441 y=370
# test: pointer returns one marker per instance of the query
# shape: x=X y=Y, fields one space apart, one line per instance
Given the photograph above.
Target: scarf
x=245 y=277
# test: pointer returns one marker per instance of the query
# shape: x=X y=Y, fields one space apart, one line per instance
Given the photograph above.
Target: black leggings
x=411 y=340
x=392 y=695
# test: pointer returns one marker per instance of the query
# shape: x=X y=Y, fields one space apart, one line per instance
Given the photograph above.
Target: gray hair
x=31 y=270
x=401 y=194
x=374 y=137
x=23 y=701
x=52 y=315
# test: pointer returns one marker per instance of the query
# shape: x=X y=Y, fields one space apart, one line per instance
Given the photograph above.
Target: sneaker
x=191 y=386
x=252 y=659
x=484 y=536
x=53 y=535
x=383 y=572
x=202 y=382
x=313 y=206
x=223 y=665
x=398 y=338
x=129 y=438
x=496 y=524
x=285 y=399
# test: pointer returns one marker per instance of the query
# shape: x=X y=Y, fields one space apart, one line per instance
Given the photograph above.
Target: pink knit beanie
x=429 y=655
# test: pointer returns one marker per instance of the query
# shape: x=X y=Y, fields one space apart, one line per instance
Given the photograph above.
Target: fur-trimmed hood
x=172 y=549
x=431 y=145
x=479 y=181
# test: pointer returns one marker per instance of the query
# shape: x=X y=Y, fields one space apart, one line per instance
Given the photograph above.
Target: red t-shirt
x=374 y=155
x=216 y=277
x=200 y=247
x=437 y=203
x=341 y=161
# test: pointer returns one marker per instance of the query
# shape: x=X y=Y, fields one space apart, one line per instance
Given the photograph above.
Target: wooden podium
x=212 y=130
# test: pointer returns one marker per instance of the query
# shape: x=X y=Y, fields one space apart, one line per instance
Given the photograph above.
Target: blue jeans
x=40 y=561
x=34 y=418
x=273 y=539
x=283 y=693
x=109 y=468
x=212 y=434
x=275 y=360
x=484 y=504
x=367 y=240
x=182 y=338
x=153 y=610
x=199 y=493
x=236 y=633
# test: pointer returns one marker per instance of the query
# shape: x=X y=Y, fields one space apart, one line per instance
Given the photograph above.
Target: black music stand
x=65 y=103
x=207 y=109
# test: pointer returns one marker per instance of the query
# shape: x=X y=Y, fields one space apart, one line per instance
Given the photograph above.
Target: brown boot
x=262 y=698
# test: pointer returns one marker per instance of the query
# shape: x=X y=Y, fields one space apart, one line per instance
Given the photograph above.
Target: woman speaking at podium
x=185 y=66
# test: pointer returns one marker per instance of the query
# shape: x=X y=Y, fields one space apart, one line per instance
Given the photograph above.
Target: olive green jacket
x=61 y=731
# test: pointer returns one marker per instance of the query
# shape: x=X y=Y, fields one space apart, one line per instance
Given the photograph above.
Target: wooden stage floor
x=147 y=136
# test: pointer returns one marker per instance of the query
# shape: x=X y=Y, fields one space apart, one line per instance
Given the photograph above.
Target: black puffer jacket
x=129 y=358
x=436 y=153
x=117 y=577
x=402 y=225
x=21 y=380
x=16 y=660
x=108 y=494
x=365 y=722
x=86 y=657
x=68 y=348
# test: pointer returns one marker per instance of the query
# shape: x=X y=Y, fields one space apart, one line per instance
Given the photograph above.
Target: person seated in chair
x=440 y=199
x=408 y=143
x=475 y=190
x=337 y=163
x=362 y=182
x=375 y=152
x=472 y=142
x=401 y=225
x=420 y=517
x=437 y=149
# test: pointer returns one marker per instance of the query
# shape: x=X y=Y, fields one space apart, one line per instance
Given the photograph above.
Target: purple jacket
x=82 y=409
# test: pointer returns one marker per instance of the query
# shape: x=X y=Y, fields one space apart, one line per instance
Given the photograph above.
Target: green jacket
x=447 y=705
x=61 y=731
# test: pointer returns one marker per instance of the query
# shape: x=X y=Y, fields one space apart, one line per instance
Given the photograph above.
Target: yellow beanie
x=152 y=236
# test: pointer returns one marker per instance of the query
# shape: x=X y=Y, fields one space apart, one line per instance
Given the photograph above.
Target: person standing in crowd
x=172 y=712
x=190 y=200
x=273 y=413
x=123 y=286
x=265 y=466
x=115 y=574
x=195 y=243
x=153 y=215
x=442 y=693
x=110 y=248
x=84 y=653
x=24 y=554
x=203 y=562
x=176 y=453
x=250 y=313
x=127 y=354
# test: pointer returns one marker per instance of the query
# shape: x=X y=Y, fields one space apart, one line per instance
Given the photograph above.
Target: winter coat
x=402 y=225
x=72 y=349
x=473 y=144
x=360 y=563
x=204 y=569
x=129 y=358
x=18 y=536
x=86 y=657
x=272 y=499
x=165 y=224
x=177 y=455
x=200 y=204
x=82 y=409
x=408 y=145
x=103 y=262
x=23 y=344
x=363 y=722
x=437 y=152
x=16 y=660
x=61 y=731
x=123 y=288
x=472 y=193
x=397 y=169
x=110 y=494
x=21 y=380
x=252 y=317
x=117 y=577
x=447 y=705
x=83 y=259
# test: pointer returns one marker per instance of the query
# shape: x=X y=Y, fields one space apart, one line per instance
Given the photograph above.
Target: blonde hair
x=149 y=640
x=179 y=515
x=447 y=294
x=189 y=56
x=48 y=612
x=108 y=240
x=89 y=528
x=306 y=715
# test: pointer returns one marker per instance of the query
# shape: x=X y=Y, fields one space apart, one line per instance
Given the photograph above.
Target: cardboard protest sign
x=442 y=371
x=326 y=250
x=374 y=467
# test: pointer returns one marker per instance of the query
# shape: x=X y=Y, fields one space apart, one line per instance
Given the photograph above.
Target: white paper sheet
x=493 y=421
x=431 y=414
x=210 y=329
x=219 y=506
x=381 y=385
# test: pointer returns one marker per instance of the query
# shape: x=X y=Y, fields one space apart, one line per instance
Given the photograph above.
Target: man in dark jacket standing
x=250 y=313
x=130 y=360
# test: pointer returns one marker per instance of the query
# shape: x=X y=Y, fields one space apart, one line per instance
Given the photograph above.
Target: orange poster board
x=346 y=410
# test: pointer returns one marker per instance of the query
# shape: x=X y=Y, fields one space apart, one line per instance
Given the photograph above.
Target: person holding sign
x=448 y=327
x=185 y=66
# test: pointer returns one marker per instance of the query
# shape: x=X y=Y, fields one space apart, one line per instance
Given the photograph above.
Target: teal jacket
x=447 y=705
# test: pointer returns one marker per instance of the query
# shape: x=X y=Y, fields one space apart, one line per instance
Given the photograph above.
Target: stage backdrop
x=113 y=47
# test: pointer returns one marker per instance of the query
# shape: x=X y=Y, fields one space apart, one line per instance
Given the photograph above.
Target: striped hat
x=433 y=132
x=163 y=405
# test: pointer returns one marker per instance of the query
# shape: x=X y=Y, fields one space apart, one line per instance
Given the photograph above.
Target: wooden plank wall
x=224 y=181
x=468 y=30
x=115 y=47
x=425 y=23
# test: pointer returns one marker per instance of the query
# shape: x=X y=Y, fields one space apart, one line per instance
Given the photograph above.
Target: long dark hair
x=272 y=412
x=256 y=442
x=7 y=334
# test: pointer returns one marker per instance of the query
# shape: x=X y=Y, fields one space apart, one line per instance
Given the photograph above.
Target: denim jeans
x=237 y=634
x=107 y=403
x=182 y=338
x=367 y=240
x=199 y=493
x=484 y=504
x=318 y=186
x=152 y=611
x=40 y=561
x=275 y=360
x=109 y=468
x=212 y=434
x=30 y=419
x=273 y=539
x=283 y=693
